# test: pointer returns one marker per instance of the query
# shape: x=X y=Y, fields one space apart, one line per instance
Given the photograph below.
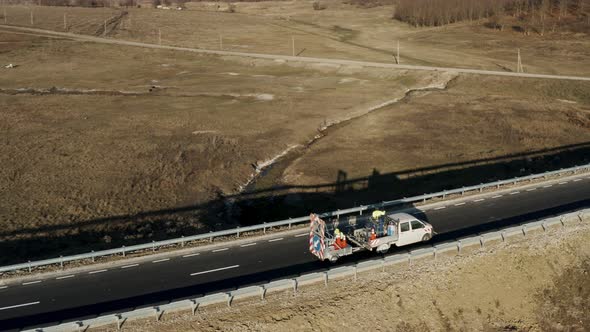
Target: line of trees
x=441 y=12
x=97 y=3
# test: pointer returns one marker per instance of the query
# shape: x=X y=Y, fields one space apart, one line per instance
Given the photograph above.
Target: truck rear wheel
x=426 y=238
x=333 y=259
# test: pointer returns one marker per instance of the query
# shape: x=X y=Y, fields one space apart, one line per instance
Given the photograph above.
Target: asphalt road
x=287 y=58
x=117 y=289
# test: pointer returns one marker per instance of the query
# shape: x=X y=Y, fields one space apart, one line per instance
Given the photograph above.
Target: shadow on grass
x=276 y=203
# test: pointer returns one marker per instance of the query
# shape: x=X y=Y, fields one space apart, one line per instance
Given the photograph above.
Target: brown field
x=103 y=145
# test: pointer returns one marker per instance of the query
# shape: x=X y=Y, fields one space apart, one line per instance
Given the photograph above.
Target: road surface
x=117 y=289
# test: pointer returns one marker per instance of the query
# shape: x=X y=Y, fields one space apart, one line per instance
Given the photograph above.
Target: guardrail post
x=194 y=306
x=264 y=228
x=561 y=220
x=294 y=286
x=153 y=245
x=29 y=266
x=119 y=321
x=498 y=186
x=238 y=231
x=124 y=254
x=355 y=273
x=444 y=194
x=338 y=214
x=182 y=241
x=459 y=246
x=158 y=313
x=580 y=216
x=434 y=250
x=481 y=241
x=289 y=223
x=503 y=235
x=262 y=293
x=93 y=259
x=210 y=237
x=462 y=191
x=61 y=261
x=326 y=279
x=481 y=187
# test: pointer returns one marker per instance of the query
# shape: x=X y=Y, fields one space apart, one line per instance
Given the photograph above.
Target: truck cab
x=410 y=229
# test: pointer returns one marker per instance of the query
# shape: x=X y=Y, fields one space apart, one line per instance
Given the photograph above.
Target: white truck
x=378 y=234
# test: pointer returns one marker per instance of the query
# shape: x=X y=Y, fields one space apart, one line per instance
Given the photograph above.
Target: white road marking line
x=98 y=271
x=191 y=255
x=299 y=235
x=128 y=266
x=532 y=189
x=3 y=287
x=161 y=260
x=65 y=277
x=31 y=282
x=576 y=180
x=273 y=240
x=20 y=305
x=215 y=270
x=440 y=208
x=458 y=204
x=218 y=250
x=479 y=200
x=548 y=186
x=515 y=192
x=497 y=196
x=247 y=245
x=563 y=182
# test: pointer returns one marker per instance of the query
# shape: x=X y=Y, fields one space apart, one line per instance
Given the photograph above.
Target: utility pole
x=519 y=68
x=397 y=57
x=293 y=45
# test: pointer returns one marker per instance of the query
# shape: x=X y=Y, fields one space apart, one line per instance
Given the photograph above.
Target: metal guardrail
x=263 y=290
x=124 y=250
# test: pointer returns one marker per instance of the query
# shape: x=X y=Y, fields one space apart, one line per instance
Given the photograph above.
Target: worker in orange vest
x=373 y=236
x=343 y=240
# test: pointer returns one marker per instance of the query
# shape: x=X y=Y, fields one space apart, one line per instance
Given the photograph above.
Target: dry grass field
x=340 y=31
x=103 y=145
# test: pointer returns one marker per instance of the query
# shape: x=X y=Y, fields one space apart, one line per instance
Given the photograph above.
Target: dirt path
x=295 y=58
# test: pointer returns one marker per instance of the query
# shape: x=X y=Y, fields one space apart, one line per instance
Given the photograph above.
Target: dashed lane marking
x=273 y=240
x=215 y=270
x=65 y=277
x=31 y=282
x=98 y=271
x=497 y=196
x=191 y=255
x=576 y=180
x=532 y=189
x=458 y=204
x=247 y=245
x=515 y=192
x=548 y=186
x=3 y=287
x=563 y=182
x=299 y=235
x=479 y=200
x=128 y=266
x=161 y=260
x=440 y=208
x=20 y=305
x=218 y=250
